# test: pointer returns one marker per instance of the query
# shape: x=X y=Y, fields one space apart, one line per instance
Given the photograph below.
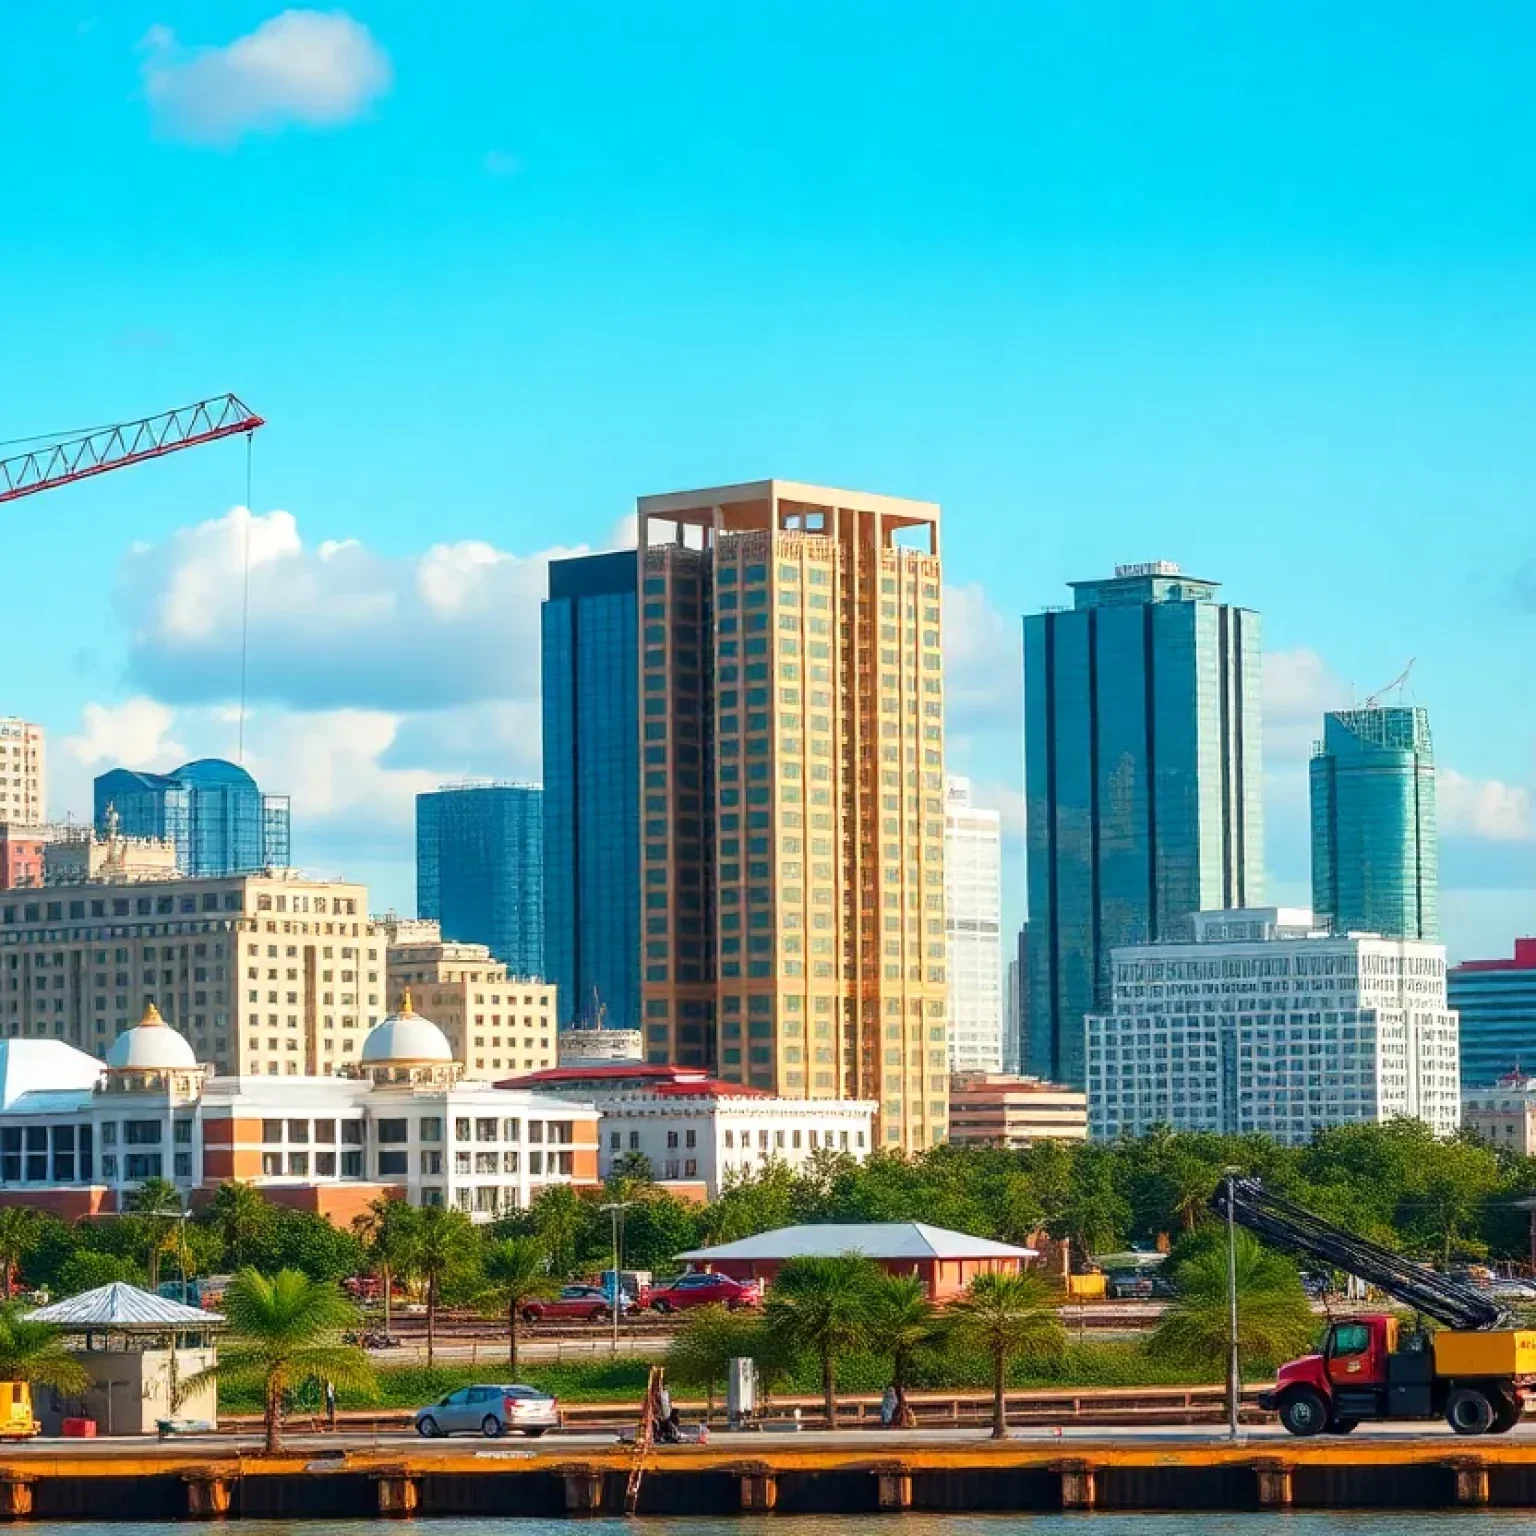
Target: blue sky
x=1245 y=287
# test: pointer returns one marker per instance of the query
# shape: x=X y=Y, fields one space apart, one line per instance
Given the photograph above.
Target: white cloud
x=334 y=626
x=1299 y=689
x=983 y=662
x=318 y=68
x=1482 y=808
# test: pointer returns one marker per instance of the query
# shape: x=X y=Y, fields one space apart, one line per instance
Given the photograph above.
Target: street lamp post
x=616 y=1209
x=1234 y=1377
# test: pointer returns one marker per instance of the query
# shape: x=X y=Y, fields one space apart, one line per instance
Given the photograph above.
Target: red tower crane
x=83 y=454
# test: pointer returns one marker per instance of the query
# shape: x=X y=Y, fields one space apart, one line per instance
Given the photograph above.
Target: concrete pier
x=58 y=1481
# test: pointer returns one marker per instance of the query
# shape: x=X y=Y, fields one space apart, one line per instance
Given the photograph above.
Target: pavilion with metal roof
x=945 y=1261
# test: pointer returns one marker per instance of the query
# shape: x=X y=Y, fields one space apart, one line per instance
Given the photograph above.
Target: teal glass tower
x=479 y=869
x=1375 y=850
x=1143 y=784
x=212 y=810
x=590 y=666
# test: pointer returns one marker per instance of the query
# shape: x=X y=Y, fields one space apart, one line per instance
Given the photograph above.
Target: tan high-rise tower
x=792 y=795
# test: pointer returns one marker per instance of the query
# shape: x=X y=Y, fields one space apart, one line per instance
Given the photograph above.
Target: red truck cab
x=1366 y=1371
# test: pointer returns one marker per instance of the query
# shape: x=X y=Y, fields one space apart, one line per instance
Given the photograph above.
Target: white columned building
x=973 y=902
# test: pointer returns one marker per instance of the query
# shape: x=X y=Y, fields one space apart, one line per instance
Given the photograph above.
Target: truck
x=1475 y=1370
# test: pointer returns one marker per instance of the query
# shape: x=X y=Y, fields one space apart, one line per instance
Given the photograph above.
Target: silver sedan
x=490 y=1411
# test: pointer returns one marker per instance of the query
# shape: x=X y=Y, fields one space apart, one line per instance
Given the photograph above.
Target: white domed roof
x=405 y=1037
x=151 y=1045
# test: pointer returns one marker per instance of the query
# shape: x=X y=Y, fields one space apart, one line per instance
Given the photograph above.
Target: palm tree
x=285 y=1331
x=158 y=1202
x=518 y=1269
x=823 y=1306
x=902 y=1321
x=1274 y=1318
x=18 y=1233
x=387 y=1230
x=35 y=1353
x=240 y=1215
x=1009 y=1317
x=440 y=1243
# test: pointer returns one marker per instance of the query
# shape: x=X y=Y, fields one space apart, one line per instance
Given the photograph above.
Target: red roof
x=1524 y=960
x=672 y=1082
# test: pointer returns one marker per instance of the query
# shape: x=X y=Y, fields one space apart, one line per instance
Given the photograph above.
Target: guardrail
x=934 y=1410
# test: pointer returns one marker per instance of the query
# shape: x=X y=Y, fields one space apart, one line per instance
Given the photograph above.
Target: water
x=1344 y=1523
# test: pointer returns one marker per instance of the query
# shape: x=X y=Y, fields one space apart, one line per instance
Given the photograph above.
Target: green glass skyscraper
x=1375 y=850
x=1143 y=794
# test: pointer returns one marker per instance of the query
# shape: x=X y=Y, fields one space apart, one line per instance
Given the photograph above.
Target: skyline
x=1278 y=333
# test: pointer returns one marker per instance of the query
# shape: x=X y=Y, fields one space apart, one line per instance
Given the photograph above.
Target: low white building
x=1267 y=1023
x=78 y=1136
x=692 y=1128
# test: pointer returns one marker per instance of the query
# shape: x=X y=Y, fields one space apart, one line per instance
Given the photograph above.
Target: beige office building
x=792 y=759
x=494 y=1023
x=21 y=772
x=266 y=975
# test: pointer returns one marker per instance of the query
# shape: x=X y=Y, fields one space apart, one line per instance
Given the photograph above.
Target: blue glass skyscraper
x=479 y=856
x=212 y=810
x=1143 y=794
x=592 y=788
x=1375 y=849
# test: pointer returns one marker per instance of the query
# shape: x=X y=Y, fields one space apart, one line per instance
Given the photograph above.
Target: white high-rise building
x=21 y=772
x=973 y=901
x=1267 y=1023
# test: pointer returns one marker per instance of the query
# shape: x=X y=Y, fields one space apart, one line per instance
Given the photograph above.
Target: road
x=877 y=1442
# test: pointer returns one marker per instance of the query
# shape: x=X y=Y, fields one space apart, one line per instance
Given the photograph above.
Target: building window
x=393 y=1132
x=393 y=1164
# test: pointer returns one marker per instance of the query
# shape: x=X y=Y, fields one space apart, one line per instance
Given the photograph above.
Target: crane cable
x=245 y=597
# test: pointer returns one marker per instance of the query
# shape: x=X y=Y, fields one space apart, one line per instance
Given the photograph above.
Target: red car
x=588 y=1302
x=700 y=1290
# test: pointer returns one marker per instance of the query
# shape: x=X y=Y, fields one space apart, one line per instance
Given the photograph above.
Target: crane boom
x=130 y=442
x=1292 y=1228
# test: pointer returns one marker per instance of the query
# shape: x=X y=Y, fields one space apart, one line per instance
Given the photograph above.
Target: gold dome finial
x=151 y=1016
x=405 y=1002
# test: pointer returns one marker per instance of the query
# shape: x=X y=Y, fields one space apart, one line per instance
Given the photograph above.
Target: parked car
x=490 y=1411
x=590 y=1303
x=1132 y=1286
x=701 y=1290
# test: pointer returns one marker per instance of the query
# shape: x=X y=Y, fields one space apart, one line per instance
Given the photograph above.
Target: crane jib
x=1292 y=1228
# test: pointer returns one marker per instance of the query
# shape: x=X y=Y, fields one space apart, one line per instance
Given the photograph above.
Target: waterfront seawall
x=176 y=1482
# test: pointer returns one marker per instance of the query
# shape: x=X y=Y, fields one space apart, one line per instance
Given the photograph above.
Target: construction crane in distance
x=63 y=460
x=1396 y=686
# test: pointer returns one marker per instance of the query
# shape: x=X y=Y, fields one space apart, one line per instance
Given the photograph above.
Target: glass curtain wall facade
x=590 y=669
x=212 y=810
x=1143 y=791
x=1375 y=847
x=1496 y=1001
x=479 y=869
